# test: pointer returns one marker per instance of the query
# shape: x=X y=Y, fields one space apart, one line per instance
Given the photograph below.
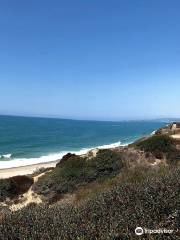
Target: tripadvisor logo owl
x=139 y=231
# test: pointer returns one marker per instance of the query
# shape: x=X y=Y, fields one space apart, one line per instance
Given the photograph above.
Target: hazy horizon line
x=85 y=119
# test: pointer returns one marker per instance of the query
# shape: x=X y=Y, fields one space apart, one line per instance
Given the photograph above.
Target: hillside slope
x=105 y=196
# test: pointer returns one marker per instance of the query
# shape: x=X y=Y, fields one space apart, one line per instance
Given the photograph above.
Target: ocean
x=30 y=140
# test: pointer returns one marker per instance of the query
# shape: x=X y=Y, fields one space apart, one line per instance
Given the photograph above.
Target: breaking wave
x=6 y=156
x=17 y=162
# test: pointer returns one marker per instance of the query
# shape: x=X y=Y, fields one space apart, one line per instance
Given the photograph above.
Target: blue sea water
x=28 y=140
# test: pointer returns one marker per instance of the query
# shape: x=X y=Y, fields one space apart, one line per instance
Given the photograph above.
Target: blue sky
x=97 y=59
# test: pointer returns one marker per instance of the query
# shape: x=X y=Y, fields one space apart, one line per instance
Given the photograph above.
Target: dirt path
x=176 y=136
x=29 y=197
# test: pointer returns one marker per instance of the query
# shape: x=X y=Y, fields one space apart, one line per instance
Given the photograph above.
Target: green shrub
x=14 y=186
x=162 y=143
x=151 y=202
x=65 y=158
x=5 y=187
x=161 y=146
x=106 y=164
x=77 y=171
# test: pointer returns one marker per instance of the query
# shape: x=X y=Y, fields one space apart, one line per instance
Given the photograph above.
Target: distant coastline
x=34 y=142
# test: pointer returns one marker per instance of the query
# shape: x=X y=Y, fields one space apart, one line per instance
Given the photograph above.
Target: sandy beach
x=29 y=169
x=24 y=170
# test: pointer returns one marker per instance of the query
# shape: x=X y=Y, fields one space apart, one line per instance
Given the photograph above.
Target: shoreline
x=25 y=170
x=50 y=159
x=29 y=169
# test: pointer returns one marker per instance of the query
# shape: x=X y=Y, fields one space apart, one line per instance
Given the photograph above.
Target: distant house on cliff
x=175 y=128
x=171 y=129
x=175 y=125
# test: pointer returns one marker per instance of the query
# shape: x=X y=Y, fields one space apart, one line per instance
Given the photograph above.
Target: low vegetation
x=150 y=200
x=77 y=171
x=161 y=146
x=110 y=196
x=14 y=186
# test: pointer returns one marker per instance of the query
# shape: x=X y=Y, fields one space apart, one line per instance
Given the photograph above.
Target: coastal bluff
x=172 y=130
x=99 y=195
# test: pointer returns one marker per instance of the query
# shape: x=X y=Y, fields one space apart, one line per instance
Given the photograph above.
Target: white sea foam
x=153 y=133
x=112 y=145
x=6 y=155
x=17 y=162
